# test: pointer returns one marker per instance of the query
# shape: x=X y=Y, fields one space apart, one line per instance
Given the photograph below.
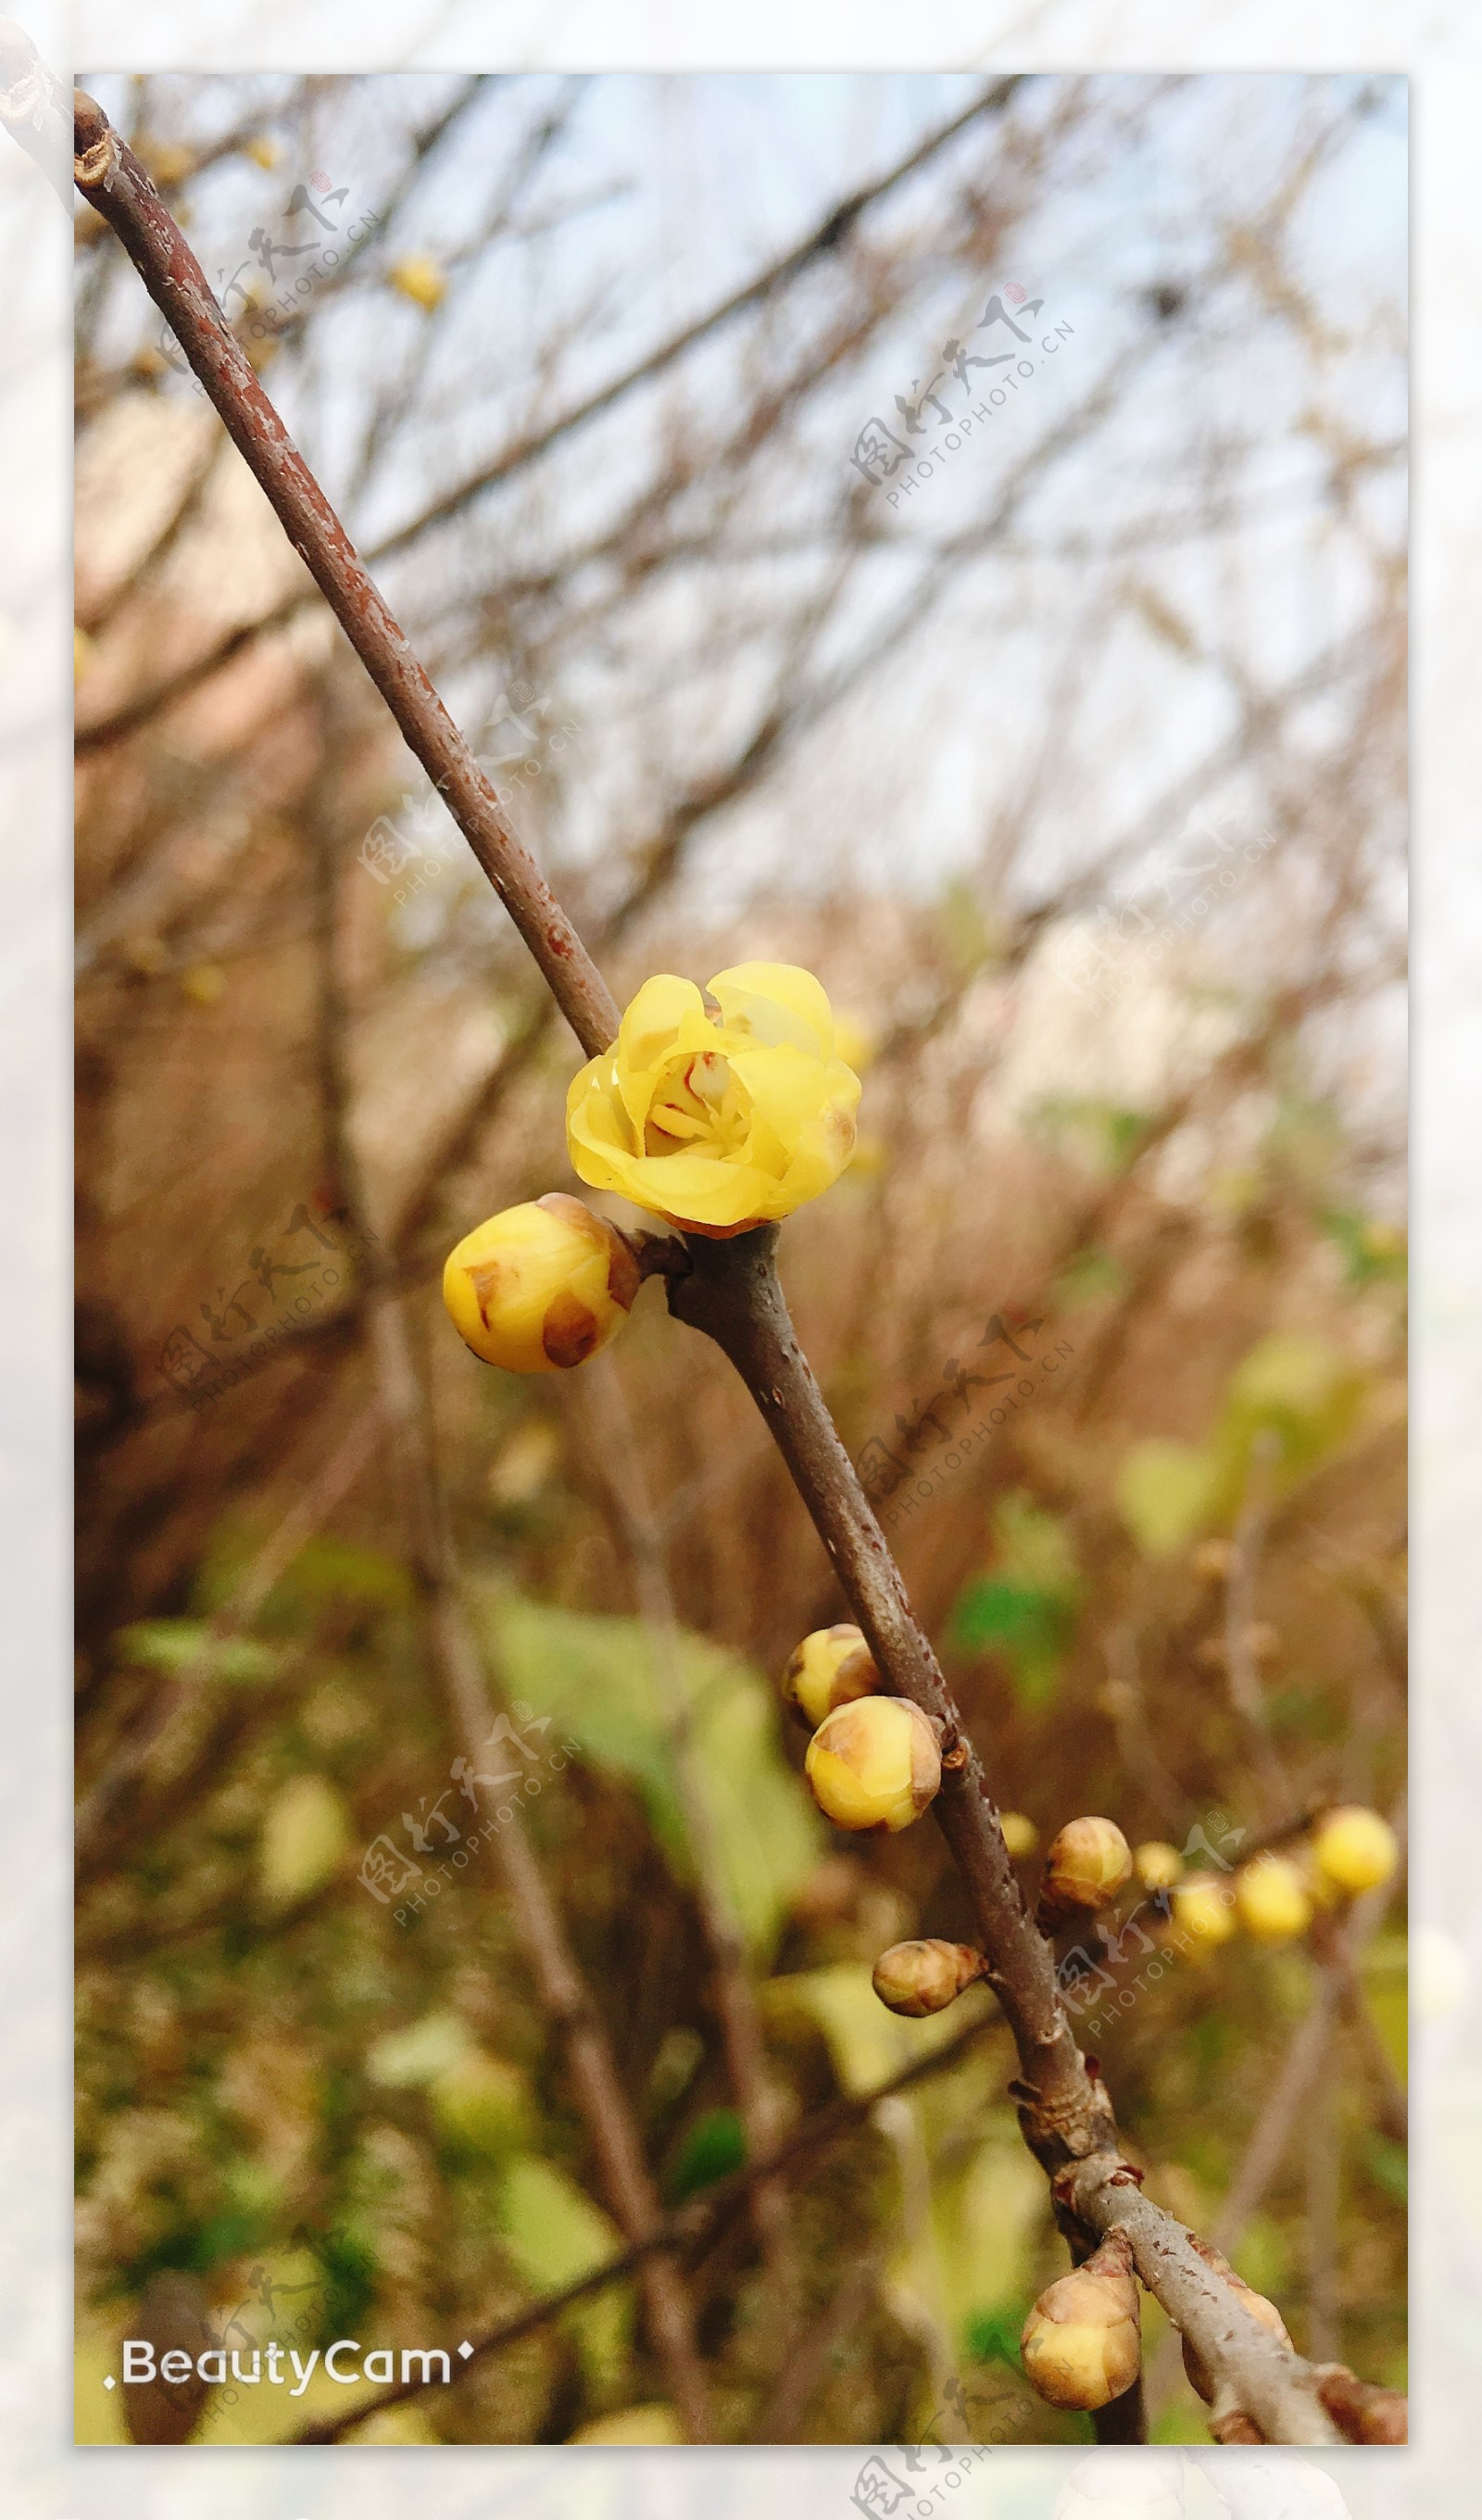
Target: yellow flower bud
x=1271 y=1899
x=1082 y=2342
x=873 y=1765
x=1203 y=1907
x=420 y=279
x=540 y=1286
x=1088 y=1863
x=1020 y=1835
x=1355 y=1848
x=1259 y=2307
x=1157 y=1865
x=831 y=1668
x=922 y=1977
x=721 y=1118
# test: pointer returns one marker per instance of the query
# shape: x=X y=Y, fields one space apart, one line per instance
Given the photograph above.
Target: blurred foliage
x=595 y=1677
x=1025 y=1609
x=1289 y=1408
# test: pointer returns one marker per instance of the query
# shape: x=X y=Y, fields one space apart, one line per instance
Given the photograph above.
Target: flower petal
x=776 y=1003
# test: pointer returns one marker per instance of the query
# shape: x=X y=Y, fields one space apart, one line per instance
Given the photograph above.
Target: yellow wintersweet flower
x=420 y=279
x=718 y=1118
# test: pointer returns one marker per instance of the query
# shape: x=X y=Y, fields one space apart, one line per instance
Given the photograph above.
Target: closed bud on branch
x=920 y=1977
x=1354 y=1849
x=1272 y=1901
x=1020 y=1835
x=1088 y=1863
x=831 y=1668
x=1083 y=2340
x=873 y=1765
x=1157 y=1865
x=541 y=1287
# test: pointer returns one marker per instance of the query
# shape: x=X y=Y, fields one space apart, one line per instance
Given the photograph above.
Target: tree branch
x=110 y=177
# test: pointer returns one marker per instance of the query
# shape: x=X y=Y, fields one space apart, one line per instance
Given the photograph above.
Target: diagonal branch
x=110 y=177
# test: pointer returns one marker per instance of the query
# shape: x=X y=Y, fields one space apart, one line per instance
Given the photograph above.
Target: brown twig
x=732 y=1293
x=833 y=231
x=110 y=177
x=815 y=2349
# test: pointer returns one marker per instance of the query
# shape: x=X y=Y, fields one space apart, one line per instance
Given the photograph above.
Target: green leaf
x=407 y=2059
x=1300 y=1393
x=175 y=1645
x=1388 y=2165
x=1025 y=1609
x=993 y=2335
x=350 y=2267
x=1166 y=1493
x=1371 y=1247
x=553 y=2233
x=1106 y=1136
x=596 y=1678
x=327 y=1571
x=483 y=2107
x=1029 y=1627
x=305 y=1832
x=714 y=2147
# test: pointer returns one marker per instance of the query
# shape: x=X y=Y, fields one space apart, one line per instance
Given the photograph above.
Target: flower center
x=696 y=1099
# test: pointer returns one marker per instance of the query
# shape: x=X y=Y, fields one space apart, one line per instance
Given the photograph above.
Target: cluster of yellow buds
x=1274 y=1897
x=874 y=1762
x=1082 y=2342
